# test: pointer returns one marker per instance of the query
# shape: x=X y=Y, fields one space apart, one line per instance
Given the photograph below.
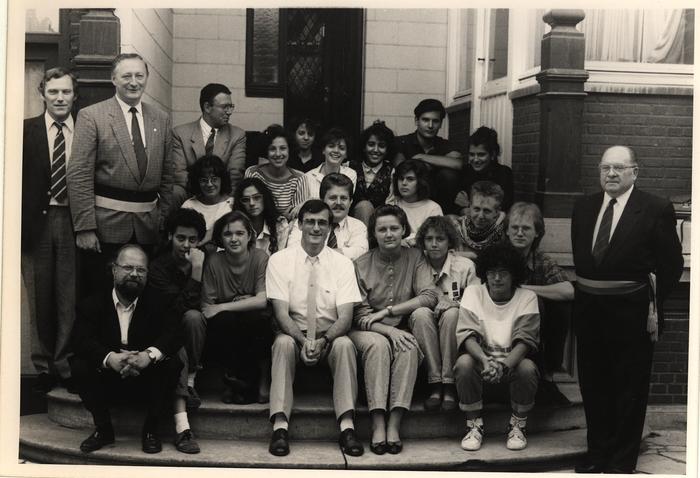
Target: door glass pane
x=468 y=28
x=498 y=44
x=33 y=73
x=41 y=20
x=265 y=58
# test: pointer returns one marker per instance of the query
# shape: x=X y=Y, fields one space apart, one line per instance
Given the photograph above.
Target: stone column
x=561 y=80
x=94 y=42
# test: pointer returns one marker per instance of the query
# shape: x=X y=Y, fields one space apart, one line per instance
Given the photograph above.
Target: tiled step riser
x=313 y=425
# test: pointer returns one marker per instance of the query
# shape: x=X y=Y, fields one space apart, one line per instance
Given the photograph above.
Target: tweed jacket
x=103 y=155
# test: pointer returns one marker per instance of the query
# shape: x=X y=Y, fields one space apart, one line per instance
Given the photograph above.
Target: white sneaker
x=475 y=435
x=516 y=433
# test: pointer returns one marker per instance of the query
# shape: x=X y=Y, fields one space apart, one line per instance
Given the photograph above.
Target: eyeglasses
x=617 y=168
x=209 y=179
x=129 y=269
x=251 y=199
x=315 y=222
x=228 y=107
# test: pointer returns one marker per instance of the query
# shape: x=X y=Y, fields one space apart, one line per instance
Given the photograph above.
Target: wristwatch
x=151 y=355
x=390 y=309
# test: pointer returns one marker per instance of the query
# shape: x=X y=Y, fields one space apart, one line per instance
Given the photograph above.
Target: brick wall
x=658 y=127
x=405 y=62
x=209 y=47
x=526 y=146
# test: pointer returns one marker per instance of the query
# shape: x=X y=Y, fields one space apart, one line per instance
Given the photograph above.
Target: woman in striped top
x=287 y=185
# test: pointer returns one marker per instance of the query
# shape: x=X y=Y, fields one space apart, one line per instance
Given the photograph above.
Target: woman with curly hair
x=394 y=281
x=335 y=145
x=497 y=331
x=254 y=199
x=305 y=156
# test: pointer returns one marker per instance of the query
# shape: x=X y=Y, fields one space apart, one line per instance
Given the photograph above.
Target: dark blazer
x=96 y=331
x=36 y=180
x=645 y=240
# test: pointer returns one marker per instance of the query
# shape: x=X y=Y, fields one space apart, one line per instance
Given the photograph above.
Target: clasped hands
x=492 y=370
x=312 y=350
x=128 y=363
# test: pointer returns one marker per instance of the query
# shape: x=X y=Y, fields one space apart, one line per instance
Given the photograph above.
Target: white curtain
x=642 y=36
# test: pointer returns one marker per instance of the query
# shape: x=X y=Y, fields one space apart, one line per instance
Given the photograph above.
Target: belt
x=608 y=287
x=125 y=200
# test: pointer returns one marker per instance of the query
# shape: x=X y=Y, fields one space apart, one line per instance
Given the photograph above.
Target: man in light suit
x=119 y=179
x=628 y=258
x=48 y=246
x=210 y=134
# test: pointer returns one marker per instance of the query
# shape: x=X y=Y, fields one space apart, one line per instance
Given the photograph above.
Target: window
x=263 y=65
x=466 y=42
x=41 y=20
x=498 y=44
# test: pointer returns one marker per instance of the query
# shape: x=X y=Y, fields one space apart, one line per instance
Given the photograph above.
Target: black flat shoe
x=150 y=442
x=378 y=448
x=349 y=443
x=98 y=439
x=394 y=447
x=279 y=443
x=185 y=443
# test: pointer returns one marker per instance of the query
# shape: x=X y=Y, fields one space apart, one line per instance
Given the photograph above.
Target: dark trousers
x=614 y=366
x=445 y=183
x=555 y=317
x=100 y=389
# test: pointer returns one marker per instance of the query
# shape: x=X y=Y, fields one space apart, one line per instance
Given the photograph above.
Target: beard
x=129 y=289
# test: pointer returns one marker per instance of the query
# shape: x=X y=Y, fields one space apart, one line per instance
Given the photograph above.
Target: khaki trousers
x=437 y=340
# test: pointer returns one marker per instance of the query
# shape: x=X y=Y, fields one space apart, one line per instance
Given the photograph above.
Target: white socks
x=346 y=423
x=181 y=422
x=190 y=379
x=280 y=422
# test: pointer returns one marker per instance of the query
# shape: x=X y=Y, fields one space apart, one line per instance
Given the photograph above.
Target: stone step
x=43 y=441
x=313 y=418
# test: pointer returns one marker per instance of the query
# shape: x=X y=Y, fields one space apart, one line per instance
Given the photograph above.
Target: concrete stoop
x=43 y=441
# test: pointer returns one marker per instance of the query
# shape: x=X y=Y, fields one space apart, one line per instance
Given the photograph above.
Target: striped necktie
x=332 y=238
x=209 y=147
x=58 y=165
x=603 y=239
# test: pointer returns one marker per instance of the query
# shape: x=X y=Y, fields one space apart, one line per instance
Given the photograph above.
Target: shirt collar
x=68 y=123
x=118 y=304
x=265 y=232
x=368 y=169
x=621 y=200
x=125 y=108
x=446 y=267
x=322 y=256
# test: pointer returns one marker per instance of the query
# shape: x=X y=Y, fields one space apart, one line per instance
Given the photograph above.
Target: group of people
x=404 y=253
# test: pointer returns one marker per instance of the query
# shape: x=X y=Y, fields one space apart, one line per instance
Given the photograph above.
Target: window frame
x=258 y=90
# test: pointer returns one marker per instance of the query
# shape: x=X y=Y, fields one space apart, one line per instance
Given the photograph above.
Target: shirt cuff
x=157 y=353
x=104 y=361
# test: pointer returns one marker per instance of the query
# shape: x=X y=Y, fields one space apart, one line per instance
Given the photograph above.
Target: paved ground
x=663 y=452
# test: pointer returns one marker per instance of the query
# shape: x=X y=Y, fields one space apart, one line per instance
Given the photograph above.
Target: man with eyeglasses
x=119 y=179
x=628 y=258
x=313 y=290
x=125 y=352
x=210 y=135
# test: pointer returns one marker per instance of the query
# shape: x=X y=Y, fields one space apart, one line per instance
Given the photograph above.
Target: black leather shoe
x=394 y=447
x=192 y=401
x=349 y=443
x=99 y=438
x=618 y=471
x=150 y=442
x=69 y=383
x=378 y=448
x=185 y=442
x=279 y=443
x=588 y=467
x=44 y=383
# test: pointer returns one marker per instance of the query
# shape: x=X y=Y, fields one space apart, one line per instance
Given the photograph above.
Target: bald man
x=628 y=258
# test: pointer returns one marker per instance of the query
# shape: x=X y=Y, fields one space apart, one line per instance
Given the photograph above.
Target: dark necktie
x=139 y=148
x=209 y=147
x=332 y=238
x=603 y=239
x=58 y=165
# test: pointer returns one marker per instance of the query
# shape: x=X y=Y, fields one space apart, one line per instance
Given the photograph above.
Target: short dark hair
x=421 y=172
x=314 y=206
x=270 y=134
x=429 y=104
x=488 y=138
x=487 y=189
x=440 y=224
x=229 y=218
x=312 y=125
x=127 y=56
x=58 y=72
x=185 y=217
x=386 y=210
x=218 y=169
x=335 y=179
x=209 y=92
x=334 y=135
x=528 y=209
x=382 y=133
x=501 y=255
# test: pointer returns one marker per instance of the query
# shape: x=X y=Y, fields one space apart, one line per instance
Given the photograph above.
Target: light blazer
x=103 y=153
x=645 y=240
x=188 y=146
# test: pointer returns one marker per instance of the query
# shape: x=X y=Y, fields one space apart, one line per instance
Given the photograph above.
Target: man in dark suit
x=119 y=179
x=211 y=134
x=628 y=258
x=125 y=351
x=48 y=246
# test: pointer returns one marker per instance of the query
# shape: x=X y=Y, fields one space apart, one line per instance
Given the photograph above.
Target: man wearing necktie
x=210 y=134
x=48 y=247
x=313 y=290
x=119 y=179
x=628 y=258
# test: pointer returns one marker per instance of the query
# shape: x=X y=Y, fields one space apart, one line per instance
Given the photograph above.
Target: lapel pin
x=155 y=129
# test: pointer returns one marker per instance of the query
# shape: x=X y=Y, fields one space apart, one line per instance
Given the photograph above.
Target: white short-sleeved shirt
x=351 y=234
x=287 y=279
x=314 y=177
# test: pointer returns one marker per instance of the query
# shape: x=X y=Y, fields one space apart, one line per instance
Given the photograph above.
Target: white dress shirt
x=127 y=117
x=618 y=208
x=51 y=133
x=206 y=131
x=314 y=177
x=351 y=234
